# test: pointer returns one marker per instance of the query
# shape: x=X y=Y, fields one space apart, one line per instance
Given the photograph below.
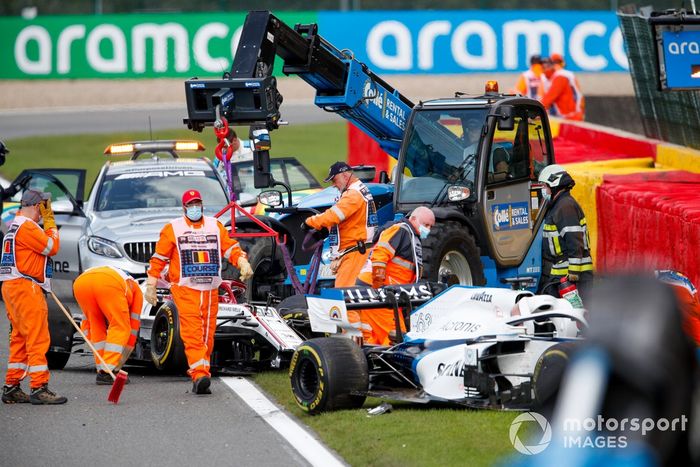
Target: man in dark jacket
x=565 y=244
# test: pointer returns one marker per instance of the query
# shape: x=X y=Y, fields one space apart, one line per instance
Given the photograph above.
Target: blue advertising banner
x=682 y=58
x=511 y=216
x=451 y=42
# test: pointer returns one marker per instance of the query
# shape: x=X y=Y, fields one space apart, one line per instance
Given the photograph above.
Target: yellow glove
x=151 y=296
x=244 y=267
x=47 y=215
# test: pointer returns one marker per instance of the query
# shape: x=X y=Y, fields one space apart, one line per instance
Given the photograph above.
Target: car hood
x=145 y=224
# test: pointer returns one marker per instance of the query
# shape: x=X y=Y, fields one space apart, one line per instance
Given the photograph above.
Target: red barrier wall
x=649 y=221
x=364 y=150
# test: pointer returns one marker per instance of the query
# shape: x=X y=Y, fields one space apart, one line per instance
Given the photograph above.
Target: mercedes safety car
x=471 y=346
x=119 y=223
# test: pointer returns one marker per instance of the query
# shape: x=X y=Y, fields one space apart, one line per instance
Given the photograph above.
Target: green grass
x=408 y=436
x=316 y=146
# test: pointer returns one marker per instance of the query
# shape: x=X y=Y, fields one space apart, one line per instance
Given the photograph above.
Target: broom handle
x=77 y=328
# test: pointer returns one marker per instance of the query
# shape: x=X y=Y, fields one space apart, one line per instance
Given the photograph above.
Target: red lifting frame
x=221 y=132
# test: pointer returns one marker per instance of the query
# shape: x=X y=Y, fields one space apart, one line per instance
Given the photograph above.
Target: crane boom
x=248 y=95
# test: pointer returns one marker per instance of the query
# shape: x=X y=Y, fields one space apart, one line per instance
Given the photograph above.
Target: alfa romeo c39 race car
x=472 y=346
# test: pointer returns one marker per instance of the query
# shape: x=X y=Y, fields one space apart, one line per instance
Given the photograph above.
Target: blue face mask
x=546 y=195
x=423 y=231
x=193 y=213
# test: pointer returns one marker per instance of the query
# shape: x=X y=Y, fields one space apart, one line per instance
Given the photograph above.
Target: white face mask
x=547 y=194
x=193 y=213
x=423 y=231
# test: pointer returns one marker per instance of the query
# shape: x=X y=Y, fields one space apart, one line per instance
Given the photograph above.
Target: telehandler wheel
x=450 y=255
x=329 y=373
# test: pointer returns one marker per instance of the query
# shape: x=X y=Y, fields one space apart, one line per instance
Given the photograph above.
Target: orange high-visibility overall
x=399 y=251
x=24 y=269
x=195 y=274
x=111 y=301
x=353 y=218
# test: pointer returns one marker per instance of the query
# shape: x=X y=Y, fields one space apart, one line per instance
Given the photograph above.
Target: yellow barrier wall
x=589 y=175
x=670 y=156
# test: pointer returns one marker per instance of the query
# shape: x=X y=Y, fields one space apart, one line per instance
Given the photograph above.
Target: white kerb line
x=310 y=448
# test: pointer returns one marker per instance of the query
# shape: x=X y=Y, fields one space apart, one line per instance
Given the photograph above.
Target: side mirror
x=506 y=122
x=365 y=173
x=383 y=177
x=272 y=198
x=458 y=193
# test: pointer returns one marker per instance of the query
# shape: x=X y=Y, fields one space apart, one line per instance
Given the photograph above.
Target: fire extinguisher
x=569 y=291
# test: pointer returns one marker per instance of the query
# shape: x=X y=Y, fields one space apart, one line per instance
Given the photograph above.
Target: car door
x=513 y=196
x=67 y=187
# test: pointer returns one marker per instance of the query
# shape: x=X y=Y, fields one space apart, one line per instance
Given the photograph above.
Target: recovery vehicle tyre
x=167 y=348
x=329 y=373
x=450 y=255
x=549 y=371
x=268 y=269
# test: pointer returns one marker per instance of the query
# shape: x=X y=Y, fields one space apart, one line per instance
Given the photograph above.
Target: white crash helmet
x=551 y=175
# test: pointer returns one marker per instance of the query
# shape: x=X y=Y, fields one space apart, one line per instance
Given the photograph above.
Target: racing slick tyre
x=167 y=348
x=294 y=310
x=266 y=261
x=549 y=371
x=329 y=373
x=61 y=332
x=450 y=255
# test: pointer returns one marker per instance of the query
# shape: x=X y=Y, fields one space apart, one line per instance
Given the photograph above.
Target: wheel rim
x=161 y=336
x=308 y=381
x=455 y=264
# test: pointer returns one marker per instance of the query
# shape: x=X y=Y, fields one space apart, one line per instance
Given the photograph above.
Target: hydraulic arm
x=248 y=95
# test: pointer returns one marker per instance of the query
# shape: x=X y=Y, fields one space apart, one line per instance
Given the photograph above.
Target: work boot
x=104 y=379
x=14 y=395
x=201 y=385
x=43 y=396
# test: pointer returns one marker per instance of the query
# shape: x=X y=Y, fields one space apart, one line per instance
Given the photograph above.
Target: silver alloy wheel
x=455 y=263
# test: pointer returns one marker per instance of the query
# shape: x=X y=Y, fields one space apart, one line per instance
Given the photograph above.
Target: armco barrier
x=649 y=221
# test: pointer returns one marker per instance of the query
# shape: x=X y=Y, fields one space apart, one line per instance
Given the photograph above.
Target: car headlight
x=103 y=247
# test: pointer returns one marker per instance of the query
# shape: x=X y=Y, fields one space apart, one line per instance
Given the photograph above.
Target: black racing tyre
x=294 y=310
x=329 y=373
x=450 y=255
x=265 y=259
x=61 y=332
x=167 y=348
x=549 y=371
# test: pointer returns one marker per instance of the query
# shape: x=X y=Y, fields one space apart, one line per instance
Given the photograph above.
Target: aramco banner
x=406 y=42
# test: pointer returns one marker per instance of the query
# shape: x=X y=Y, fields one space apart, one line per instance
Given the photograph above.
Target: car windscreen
x=159 y=189
x=441 y=149
x=288 y=171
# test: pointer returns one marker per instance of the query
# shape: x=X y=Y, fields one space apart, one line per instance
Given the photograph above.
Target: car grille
x=140 y=252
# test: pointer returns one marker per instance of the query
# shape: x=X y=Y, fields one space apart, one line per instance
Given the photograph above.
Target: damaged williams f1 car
x=471 y=346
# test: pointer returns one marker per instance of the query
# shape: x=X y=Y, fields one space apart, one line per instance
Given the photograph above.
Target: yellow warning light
x=189 y=146
x=491 y=86
x=121 y=148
